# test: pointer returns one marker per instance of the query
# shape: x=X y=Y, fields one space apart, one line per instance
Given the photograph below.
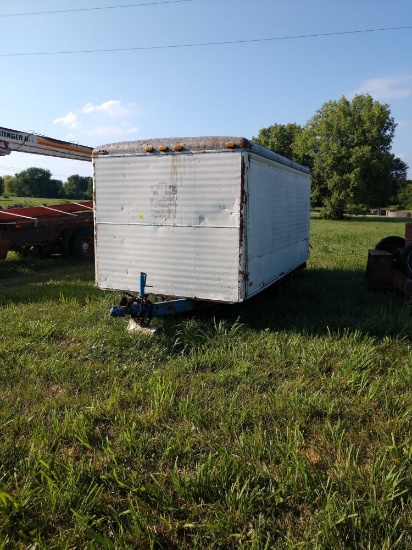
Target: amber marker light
x=230 y=144
x=177 y=147
x=163 y=148
x=148 y=149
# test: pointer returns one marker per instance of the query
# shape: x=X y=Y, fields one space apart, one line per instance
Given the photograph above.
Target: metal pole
x=143 y=277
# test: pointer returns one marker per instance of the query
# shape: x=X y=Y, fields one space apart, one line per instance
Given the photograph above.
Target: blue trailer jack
x=142 y=310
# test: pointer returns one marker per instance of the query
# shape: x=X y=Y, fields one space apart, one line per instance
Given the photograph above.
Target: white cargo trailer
x=206 y=218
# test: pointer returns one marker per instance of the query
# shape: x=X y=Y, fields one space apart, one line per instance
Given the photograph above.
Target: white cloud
x=402 y=123
x=386 y=88
x=90 y=121
x=111 y=108
x=69 y=120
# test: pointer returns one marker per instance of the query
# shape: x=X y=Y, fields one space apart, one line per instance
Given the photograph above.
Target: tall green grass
x=283 y=422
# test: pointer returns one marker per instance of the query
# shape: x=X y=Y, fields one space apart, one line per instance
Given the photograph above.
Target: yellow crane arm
x=13 y=140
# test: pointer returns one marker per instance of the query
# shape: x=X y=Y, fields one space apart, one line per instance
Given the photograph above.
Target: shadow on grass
x=53 y=291
x=16 y=266
x=40 y=280
x=316 y=301
x=319 y=301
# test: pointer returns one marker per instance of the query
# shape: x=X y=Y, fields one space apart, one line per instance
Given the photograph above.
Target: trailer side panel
x=277 y=233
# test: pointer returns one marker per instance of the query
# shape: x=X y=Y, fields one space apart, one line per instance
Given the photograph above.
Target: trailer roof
x=181 y=145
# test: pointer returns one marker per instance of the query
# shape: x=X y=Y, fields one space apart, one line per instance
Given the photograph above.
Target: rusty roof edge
x=207 y=143
x=189 y=144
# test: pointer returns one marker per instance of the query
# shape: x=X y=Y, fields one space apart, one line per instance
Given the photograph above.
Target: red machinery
x=390 y=263
x=41 y=230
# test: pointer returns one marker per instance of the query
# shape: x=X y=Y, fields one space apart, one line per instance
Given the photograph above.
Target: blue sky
x=231 y=89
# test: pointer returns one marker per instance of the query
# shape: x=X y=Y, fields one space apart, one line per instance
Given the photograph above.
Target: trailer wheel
x=83 y=243
x=23 y=252
x=391 y=244
x=66 y=242
x=146 y=316
x=406 y=261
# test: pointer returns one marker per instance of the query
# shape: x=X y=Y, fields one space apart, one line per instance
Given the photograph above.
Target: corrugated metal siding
x=277 y=222
x=175 y=217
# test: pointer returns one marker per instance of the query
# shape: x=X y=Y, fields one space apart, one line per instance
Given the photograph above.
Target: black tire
x=66 y=239
x=146 y=313
x=23 y=252
x=83 y=243
x=405 y=260
x=146 y=317
x=391 y=244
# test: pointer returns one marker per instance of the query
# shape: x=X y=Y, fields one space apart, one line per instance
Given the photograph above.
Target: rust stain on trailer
x=242 y=224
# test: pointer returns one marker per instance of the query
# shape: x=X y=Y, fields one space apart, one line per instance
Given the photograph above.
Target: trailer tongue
x=142 y=310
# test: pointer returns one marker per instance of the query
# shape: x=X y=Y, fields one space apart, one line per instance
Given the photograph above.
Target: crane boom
x=13 y=140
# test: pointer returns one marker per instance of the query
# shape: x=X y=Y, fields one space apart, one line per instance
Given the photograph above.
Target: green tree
x=280 y=138
x=55 y=189
x=1 y=185
x=37 y=182
x=90 y=189
x=347 y=144
x=404 y=196
x=399 y=169
x=9 y=182
x=78 y=187
x=399 y=181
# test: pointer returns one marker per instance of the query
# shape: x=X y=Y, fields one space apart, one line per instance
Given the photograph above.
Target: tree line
x=38 y=182
x=347 y=145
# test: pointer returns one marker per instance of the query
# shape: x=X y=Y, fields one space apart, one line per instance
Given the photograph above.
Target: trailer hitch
x=142 y=310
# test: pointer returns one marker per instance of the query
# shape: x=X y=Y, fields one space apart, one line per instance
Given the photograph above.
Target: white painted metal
x=277 y=221
x=209 y=224
x=174 y=217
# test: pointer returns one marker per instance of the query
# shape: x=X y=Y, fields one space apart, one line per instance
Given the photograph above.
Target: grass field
x=284 y=422
x=27 y=201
